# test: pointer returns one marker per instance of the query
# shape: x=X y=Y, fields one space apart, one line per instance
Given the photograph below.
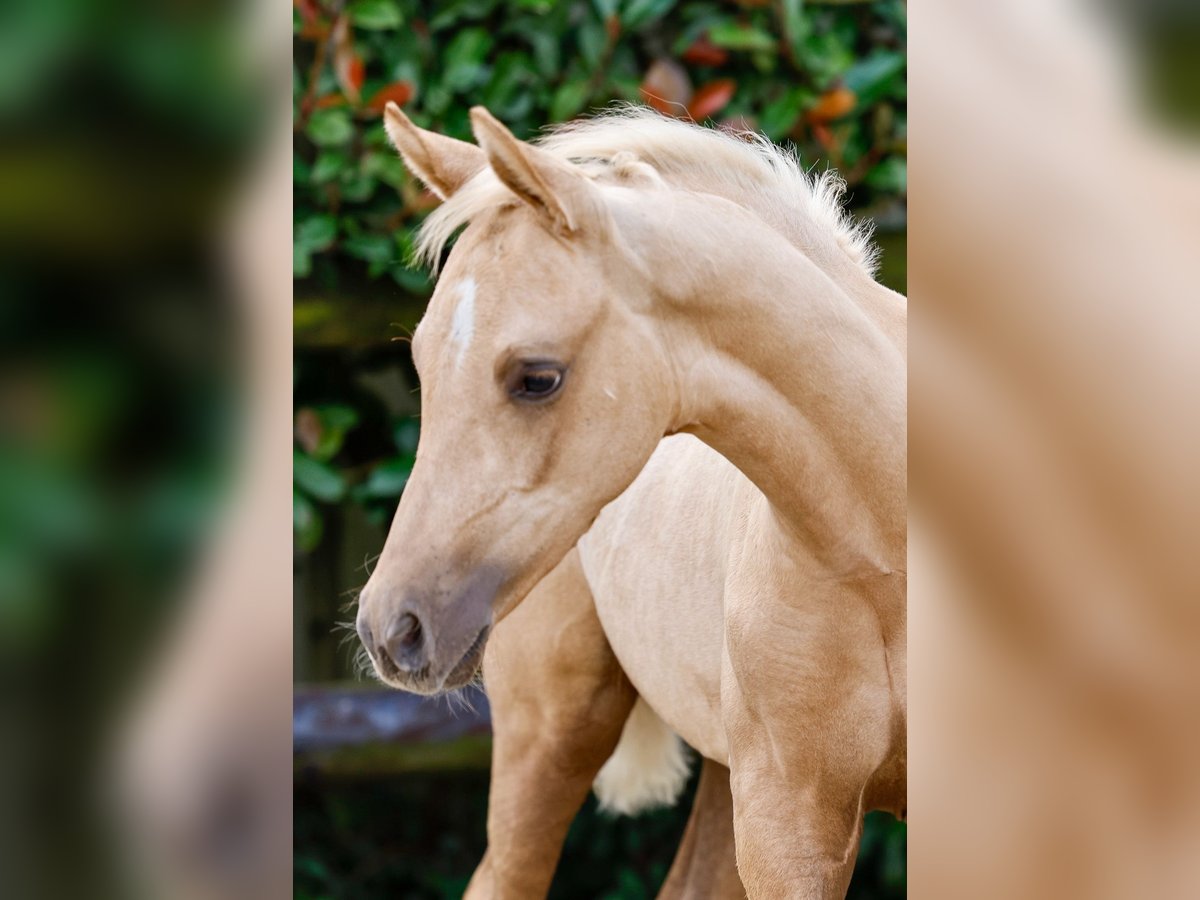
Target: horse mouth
x=468 y=666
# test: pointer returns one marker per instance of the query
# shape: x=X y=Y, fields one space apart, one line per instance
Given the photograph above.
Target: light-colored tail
x=648 y=769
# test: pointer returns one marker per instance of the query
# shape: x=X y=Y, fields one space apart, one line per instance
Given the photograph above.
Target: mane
x=745 y=168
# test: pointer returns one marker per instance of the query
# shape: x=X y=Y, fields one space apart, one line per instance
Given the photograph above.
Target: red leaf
x=398 y=92
x=833 y=104
x=711 y=98
x=825 y=138
x=667 y=87
x=705 y=53
x=330 y=100
x=314 y=31
x=309 y=11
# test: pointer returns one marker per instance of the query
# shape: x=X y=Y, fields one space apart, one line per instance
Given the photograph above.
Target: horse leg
x=807 y=709
x=559 y=701
x=704 y=865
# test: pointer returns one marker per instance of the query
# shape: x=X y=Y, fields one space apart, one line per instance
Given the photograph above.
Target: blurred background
x=391 y=790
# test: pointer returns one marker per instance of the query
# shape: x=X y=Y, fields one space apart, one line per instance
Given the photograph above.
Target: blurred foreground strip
x=1055 y=432
x=144 y=583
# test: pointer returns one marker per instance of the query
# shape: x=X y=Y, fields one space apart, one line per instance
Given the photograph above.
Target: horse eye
x=540 y=383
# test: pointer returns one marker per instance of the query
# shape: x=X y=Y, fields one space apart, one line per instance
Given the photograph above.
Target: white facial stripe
x=462 y=328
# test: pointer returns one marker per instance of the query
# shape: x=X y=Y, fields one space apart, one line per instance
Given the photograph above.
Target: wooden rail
x=363 y=731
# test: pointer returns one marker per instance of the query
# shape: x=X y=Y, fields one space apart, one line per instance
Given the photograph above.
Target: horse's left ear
x=443 y=163
x=550 y=185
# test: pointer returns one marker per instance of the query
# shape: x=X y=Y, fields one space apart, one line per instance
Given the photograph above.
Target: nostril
x=407 y=633
x=404 y=640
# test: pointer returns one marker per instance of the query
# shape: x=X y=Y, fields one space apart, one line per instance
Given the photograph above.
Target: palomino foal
x=631 y=278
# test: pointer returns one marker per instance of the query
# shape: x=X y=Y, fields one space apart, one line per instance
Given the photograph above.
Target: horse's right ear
x=443 y=163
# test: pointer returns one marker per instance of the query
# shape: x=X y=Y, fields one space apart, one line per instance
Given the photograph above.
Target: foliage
x=828 y=76
x=350 y=448
x=367 y=839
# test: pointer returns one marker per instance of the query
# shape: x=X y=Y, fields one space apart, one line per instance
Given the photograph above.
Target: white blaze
x=462 y=327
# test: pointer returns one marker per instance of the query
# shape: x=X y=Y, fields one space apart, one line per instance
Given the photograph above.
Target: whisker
x=351 y=605
x=364 y=668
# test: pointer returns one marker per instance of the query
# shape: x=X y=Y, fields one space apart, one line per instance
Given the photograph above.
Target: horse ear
x=443 y=163
x=550 y=185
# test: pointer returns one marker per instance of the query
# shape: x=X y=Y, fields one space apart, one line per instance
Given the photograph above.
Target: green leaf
x=389 y=477
x=330 y=127
x=779 y=116
x=546 y=52
x=734 y=36
x=460 y=10
x=605 y=8
x=702 y=17
x=372 y=248
x=593 y=41
x=631 y=885
x=307 y=525
x=464 y=59
x=508 y=94
x=415 y=281
x=437 y=99
x=311 y=235
x=358 y=188
x=406 y=434
x=827 y=56
x=317 y=479
x=386 y=165
x=889 y=176
x=795 y=27
x=568 y=100
x=301 y=262
x=301 y=170
x=329 y=165
x=336 y=421
x=637 y=13
x=315 y=233
x=376 y=15
x=872 y=77
x=378 y=250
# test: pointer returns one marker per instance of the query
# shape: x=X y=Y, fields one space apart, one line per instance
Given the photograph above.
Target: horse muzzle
x=426 y=642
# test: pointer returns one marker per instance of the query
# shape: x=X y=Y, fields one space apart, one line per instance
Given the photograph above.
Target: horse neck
x=796 y=374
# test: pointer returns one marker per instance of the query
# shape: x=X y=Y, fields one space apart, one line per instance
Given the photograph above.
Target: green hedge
x=828 y=76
